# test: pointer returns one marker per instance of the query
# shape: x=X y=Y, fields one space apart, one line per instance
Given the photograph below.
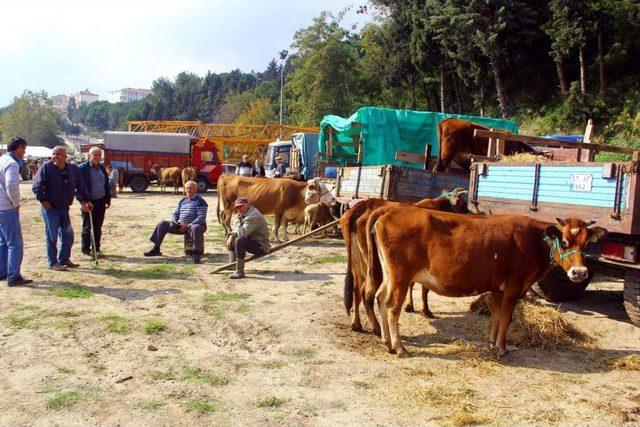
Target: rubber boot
x=239 y=273
x=232 y=256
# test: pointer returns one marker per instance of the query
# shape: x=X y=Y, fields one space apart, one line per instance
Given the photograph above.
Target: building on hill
x=128 y=94
x=84 y=97
x=60 y=103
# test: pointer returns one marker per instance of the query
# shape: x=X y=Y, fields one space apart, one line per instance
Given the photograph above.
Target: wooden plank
x=587 y=155
x=536 y=140
x=279 y=247
x=409 y=157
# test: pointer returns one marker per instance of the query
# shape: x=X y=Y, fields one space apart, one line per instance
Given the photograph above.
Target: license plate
x=581 y=183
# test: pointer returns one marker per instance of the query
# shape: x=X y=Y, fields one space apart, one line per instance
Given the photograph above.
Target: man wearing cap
x=281 y=169
x=251 y=235
x=55 y=185
x=190 y=217
x=245 y=167
x=11 y=243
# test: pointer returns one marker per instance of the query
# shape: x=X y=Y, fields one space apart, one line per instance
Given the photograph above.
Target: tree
x=259 y=112
x=32 y=117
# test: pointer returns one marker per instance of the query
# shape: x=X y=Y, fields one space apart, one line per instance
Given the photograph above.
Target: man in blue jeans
x=55 y=185
x=11 y=243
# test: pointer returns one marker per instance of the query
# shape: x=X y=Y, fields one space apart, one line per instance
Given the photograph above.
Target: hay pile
x=630 y=362
x=536 y=326
x=524 y=158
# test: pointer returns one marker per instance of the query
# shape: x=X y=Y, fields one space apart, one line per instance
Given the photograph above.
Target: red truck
x=136 y=153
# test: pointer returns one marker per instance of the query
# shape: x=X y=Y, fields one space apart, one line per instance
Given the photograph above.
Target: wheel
x=557 y=287
x=138 y=184
x=632 y=295
x=203 y=184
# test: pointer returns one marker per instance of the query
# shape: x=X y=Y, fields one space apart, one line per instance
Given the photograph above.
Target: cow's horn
x=590 y=222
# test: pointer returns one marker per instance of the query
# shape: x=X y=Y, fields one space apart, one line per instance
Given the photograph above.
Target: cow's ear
x=553 y=232
x=561 y=221
x=596 y=233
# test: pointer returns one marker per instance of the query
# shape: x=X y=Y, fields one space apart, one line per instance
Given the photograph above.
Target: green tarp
x=384 y=131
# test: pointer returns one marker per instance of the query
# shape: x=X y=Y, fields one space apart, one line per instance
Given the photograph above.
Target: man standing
x=55 y=185
x=281 y=168
x=96 y=181
x=114 y=178
x=244 y=168
x=251 y=235
x=11 y=243
x=190 y=217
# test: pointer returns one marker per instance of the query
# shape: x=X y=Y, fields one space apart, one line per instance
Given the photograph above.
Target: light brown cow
x=463 y=255
x=316 y=214
x=188 y=174
x=168 y=176
x=284 y=198
x=353 y=225
x=456 y=142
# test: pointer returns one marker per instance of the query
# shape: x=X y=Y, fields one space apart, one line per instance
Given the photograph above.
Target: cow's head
x=458 y=198
x=567 y=240
x=317 y=192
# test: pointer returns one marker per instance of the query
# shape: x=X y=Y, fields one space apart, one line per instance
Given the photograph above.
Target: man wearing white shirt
x=11 y=243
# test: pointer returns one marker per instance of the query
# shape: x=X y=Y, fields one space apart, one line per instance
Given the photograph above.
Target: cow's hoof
x=429 y=314
x=403 y=353
x=356 y=327
x=409 y=309
x=376 y=331
x=502 y=353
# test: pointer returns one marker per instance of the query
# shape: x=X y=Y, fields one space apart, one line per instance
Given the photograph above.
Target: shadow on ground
x=123 y=294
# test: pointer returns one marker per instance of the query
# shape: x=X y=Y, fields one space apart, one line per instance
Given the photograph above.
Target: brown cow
x=188 y=174
x=316 y=214
x=168 y=176
x=456 y=142
x=460 y=255
x=285 y=198
x=353 y=225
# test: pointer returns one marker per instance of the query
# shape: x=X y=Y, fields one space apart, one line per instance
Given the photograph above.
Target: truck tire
x=632 y=295
x=138 y=184
x=203 y=184
x=557 y=287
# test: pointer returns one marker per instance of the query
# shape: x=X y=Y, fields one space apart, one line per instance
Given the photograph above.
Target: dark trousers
x=196 y=234
x=99 y=208
x=242 y=245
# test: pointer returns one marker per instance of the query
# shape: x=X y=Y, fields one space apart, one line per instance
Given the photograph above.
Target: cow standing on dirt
x=168 y=176
x=353 y=224
x=456 y=142
x=460 y=255
x=284 y=198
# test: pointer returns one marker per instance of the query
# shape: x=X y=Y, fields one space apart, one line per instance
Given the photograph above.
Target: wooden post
x=427 y=156
x=330 y=145
x=491 y=146
x=277 y=248
x=587 y=155
x=500 y=143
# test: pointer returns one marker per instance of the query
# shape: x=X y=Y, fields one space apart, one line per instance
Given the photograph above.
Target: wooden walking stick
x=93 y=238
x=277 y=248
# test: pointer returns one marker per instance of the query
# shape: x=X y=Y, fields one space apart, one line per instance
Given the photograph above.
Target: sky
x=65 y=46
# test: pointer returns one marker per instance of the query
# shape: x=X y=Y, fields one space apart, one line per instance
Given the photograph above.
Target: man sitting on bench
x=190 y=217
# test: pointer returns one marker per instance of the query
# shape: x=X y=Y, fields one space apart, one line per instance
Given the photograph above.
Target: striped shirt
x=191 y=211
x=9 y=183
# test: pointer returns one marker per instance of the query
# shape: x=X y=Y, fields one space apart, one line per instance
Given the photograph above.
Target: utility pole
x=283 y=57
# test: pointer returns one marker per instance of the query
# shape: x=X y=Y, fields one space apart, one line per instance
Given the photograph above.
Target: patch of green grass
x=162 y=376
x=271 y=402
x=73 y=291
x=64 y=369
x=19 y=322
x=224 y=297
x=309 y=409
x=201 y=406
x=304 y=352
x=69 y=398
x=217 y=312
x=149 y=406
x=204 y=376
x=330 y=259
x=274 y=364
x=242 y=309
x=153 y=271
x=65 y=324
x=154 y=327
x=116 y=324
x=339 y=404
x=363 y=385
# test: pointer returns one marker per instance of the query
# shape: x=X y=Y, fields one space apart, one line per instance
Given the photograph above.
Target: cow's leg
x=371 y=315
x=276 y=226
x=381 y=296
x=506 y=311
x=394 y=302
x=425 y=304
x=356 y=324
x=409 y=308
x=496 y=303
x=285 y=236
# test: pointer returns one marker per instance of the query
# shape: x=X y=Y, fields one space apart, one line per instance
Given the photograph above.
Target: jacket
x=85 y=171
x=253 y=226
x=9 y=182
x=50 y=185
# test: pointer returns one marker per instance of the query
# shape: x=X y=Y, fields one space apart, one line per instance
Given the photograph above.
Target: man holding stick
x=251 y=235
x=96 y=182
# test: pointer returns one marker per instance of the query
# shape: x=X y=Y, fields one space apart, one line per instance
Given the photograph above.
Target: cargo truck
x=136 y=153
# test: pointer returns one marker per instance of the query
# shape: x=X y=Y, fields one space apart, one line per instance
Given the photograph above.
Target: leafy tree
x=259 y=112
x=32 y=117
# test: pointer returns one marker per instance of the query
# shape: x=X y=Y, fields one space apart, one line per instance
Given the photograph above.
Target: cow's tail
x=348 y=278
x=218 y=205
x=374 y=270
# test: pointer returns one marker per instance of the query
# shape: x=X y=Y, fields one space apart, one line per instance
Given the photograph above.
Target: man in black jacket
x=96 y=181
x=55 y=185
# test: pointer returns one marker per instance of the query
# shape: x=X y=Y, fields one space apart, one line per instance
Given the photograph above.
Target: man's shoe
x=20 y=281
x=70 y=264
x=239 y=273
x=153 y=252
x=196 y=259
x=87 y=253
x=100 y=255
x=57 y=267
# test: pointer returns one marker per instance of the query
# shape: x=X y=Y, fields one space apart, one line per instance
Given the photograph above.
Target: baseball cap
x=240 y=202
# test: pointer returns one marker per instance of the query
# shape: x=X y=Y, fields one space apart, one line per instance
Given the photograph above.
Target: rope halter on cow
x=555 y=246
x=450 y=195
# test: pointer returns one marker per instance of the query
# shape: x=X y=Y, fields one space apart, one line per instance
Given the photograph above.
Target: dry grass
x=630 y=362
x=537 y=326
x=524 y=158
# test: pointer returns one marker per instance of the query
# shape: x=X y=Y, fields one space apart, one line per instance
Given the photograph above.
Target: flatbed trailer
x=608 y=193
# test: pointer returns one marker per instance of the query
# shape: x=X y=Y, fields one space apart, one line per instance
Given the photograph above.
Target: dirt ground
x=160 y=341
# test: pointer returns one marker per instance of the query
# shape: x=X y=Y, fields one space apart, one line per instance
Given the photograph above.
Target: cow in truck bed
x=463 y=255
